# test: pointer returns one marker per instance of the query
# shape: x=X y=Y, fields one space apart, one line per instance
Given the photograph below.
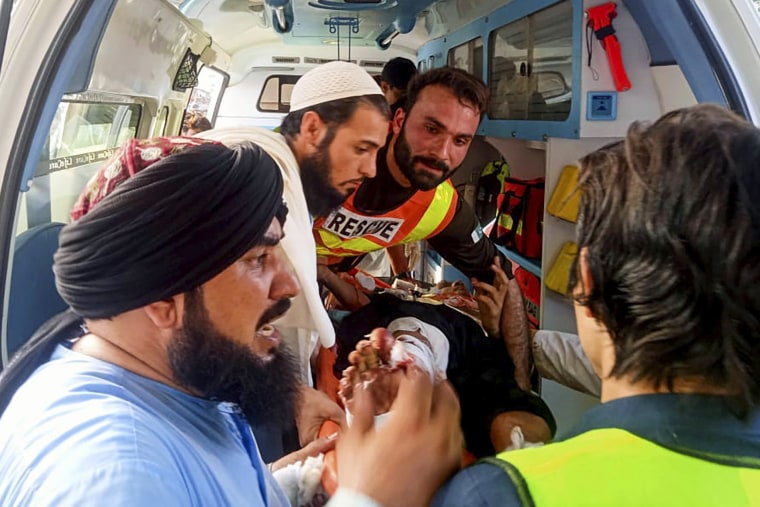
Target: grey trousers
x=560 y=357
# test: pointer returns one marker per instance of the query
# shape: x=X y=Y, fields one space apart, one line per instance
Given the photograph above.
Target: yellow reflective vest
x=612 y=467
x=348 y=232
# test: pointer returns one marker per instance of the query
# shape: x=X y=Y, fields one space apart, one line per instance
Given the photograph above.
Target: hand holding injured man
x=375 y=362
x=381 y=362
x=389 y=336
x=417 y=409
x=409 y=350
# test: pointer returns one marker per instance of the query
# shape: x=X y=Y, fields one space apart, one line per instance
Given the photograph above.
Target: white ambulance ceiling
x=238 y=24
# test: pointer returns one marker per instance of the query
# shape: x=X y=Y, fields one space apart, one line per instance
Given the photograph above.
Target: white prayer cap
x=332 y=81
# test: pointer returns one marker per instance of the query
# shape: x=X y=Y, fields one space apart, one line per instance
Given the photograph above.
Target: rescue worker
x=667 y=298
x=412 y=198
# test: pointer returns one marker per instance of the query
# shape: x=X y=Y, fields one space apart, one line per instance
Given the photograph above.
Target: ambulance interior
x=133 y=69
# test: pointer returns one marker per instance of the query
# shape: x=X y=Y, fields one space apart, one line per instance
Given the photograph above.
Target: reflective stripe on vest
x=606 y=467
x=347 y=232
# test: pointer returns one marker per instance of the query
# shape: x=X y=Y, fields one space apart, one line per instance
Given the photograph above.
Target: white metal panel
x=557 y=312
x=143 y=47
x=237 y=24
x=248 y=59
x=641 y=102
x=672 y=88
x=29 y=37
x=736 y=26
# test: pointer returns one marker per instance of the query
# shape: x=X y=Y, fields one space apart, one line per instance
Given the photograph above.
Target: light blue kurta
x=83 y=432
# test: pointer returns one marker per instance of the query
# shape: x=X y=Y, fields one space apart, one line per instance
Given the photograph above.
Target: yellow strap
x=436 y=212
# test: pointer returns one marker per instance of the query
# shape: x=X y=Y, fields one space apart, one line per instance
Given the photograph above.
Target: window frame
x=284 y=79
x=104 y=151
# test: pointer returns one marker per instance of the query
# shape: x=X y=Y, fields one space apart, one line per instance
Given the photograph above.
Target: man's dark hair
x=398 y=72
x=470 y=90
x=197 y=122
x=670 y=224
x=333 y=113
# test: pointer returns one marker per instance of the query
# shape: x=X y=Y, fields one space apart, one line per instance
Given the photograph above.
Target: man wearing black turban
x=176 y=276
x=143 y=391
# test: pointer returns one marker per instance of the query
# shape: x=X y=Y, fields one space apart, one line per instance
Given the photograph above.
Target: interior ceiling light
x=353 y=5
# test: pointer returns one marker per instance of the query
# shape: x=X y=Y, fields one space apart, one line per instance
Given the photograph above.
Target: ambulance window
x=82 y=137
x=207 y=93
x=275 y=95
x=530 y=67
x=468 y=56
x=159 y=128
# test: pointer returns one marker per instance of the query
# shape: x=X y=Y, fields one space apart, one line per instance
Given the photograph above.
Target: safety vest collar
x=647 y=415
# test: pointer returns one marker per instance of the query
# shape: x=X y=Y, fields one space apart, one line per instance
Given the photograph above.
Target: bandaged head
x=179 y=213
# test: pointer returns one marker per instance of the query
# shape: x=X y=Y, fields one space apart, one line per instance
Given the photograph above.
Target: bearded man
x=142 y=392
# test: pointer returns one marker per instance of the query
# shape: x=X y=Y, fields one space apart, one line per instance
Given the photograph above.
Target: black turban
x=168 y=229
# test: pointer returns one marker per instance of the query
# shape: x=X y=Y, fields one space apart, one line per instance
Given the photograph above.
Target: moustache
x=432 y=162
x=273 y=312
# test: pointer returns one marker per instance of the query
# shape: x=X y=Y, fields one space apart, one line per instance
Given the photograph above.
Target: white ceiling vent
x=372 y=63
x=320 y=61
x=286 y=59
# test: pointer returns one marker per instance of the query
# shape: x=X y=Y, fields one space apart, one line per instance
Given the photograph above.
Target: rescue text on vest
x=348 y=225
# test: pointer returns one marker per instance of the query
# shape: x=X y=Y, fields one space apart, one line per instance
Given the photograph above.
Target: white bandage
x=379 y=420
x=433 y=358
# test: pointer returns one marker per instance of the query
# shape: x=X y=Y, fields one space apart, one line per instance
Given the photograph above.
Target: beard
x=205 y=360
x=423 y=180
x=321 y=197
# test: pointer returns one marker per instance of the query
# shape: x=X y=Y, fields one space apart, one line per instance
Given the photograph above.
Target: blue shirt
x=81 y=431
x=698 y=425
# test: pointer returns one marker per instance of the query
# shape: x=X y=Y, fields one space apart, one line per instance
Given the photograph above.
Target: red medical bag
x=520 y=217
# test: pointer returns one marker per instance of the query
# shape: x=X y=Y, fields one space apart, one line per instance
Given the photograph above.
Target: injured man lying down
x=440 y=333
x=446 y=332
x=443 y=332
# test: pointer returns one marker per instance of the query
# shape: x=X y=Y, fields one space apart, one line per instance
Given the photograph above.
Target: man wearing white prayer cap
x=327 y=146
